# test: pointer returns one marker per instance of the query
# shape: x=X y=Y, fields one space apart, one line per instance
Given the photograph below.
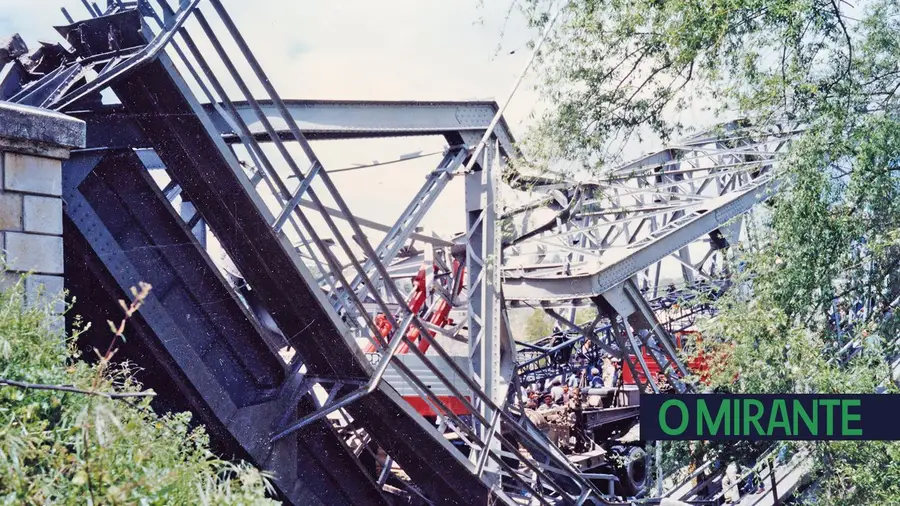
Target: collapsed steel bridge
x=201 y=180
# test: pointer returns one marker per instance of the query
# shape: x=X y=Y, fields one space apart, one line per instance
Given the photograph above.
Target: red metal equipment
x=697 y=363
x=450 y=284
x=437 y=315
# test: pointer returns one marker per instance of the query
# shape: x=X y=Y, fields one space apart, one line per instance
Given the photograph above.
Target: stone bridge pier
x=33 y=144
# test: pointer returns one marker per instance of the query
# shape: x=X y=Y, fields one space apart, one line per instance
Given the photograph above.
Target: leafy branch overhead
x=618 y=70
x=819 y=284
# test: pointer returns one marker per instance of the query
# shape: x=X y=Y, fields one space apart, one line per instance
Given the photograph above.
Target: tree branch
x=68 y=388
x=840 y=20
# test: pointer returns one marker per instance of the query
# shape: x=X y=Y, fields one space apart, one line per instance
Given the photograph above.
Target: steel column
x=483 y=284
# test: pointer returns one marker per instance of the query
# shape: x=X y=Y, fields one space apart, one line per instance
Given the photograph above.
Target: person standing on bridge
x=557 y=392
x=595 y=380
x=609 y=371
x=662 y=381
x=576 y=408
x=731 y=484
x=617 y=378
x=548 y=403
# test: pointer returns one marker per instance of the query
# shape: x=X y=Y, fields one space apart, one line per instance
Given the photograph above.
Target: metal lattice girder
x=235 y=208
x=602 y=222
x=152 y=161
x=483 y=286
x=622 y=263
x=121 y=230
x=212 y=145
x=552 y=355
x=193 y=152
x=409 y=219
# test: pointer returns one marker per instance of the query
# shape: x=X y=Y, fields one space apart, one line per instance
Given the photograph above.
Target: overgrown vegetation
x=540 y=325
x=619 y=70
x=73 y=432
x=829 y=238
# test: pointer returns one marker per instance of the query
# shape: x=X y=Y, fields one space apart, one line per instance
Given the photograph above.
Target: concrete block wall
x=33 y=143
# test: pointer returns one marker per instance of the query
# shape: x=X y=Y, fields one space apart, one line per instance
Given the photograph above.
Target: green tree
x=538 y=326
x=78 y=433
x=620 y=70
x=617 y=70
x=585 y=315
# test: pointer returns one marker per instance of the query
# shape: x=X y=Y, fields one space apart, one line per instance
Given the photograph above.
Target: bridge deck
x=199 y=160
x=192 y=336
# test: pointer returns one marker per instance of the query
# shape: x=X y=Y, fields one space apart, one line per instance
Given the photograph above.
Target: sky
x=362 y=50
x=355 y=49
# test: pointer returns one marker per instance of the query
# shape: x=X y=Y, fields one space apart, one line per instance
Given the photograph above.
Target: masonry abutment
x=33 y=144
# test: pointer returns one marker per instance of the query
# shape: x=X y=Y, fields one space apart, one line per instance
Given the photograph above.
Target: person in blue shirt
x=595 y=380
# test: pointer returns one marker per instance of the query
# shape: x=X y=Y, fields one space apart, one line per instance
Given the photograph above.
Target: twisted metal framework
x=644 y=215
x=601 y=243
x=566 y=352
x=610 y=240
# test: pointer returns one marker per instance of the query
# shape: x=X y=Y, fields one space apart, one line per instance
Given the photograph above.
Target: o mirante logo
x=781 y=417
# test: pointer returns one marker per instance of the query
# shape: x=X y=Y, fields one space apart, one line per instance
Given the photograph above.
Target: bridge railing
x=281 y=172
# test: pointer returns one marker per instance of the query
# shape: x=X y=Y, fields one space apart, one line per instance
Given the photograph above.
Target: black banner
x=772 y=417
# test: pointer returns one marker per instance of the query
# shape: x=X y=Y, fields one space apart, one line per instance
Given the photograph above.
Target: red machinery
x=697 y=364
x=438 y=315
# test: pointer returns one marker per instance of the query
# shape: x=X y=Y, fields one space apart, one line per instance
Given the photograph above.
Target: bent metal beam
x=624 y=262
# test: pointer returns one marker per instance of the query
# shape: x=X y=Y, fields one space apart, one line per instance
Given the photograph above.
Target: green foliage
x=828 y=236
x=539 y=325
x=61 y=447
x=619 y=69
x=585 y=315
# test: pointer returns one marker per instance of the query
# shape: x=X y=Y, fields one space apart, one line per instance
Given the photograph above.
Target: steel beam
x=198 y=158
x=332 y=119
x=596 y=418
x=197 y=332
x=622 y=263
x=483 y=249
x=410 y=218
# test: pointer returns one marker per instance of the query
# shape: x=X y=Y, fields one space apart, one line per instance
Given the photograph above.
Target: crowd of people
x=557 y=391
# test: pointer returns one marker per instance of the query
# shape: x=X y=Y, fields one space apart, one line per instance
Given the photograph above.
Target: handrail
x=147 y=54
x=762 y=460
x=496 y=413
x=690 y=477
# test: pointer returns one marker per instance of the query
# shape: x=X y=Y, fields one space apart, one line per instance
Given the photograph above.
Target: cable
x=496 y=119
x=499 y=115
x=379 y=164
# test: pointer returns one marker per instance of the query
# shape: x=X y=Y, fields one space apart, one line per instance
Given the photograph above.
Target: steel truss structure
x=264 y=343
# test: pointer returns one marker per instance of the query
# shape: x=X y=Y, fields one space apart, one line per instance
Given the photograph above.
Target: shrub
x=65 y=440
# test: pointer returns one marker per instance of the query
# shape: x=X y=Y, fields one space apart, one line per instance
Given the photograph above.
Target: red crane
x=437 y=315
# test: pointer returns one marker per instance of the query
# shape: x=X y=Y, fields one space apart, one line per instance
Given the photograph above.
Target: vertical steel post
x=483 y=286
x=775 y=501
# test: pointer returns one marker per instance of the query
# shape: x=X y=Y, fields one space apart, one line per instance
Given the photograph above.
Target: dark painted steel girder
x=205 y=341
